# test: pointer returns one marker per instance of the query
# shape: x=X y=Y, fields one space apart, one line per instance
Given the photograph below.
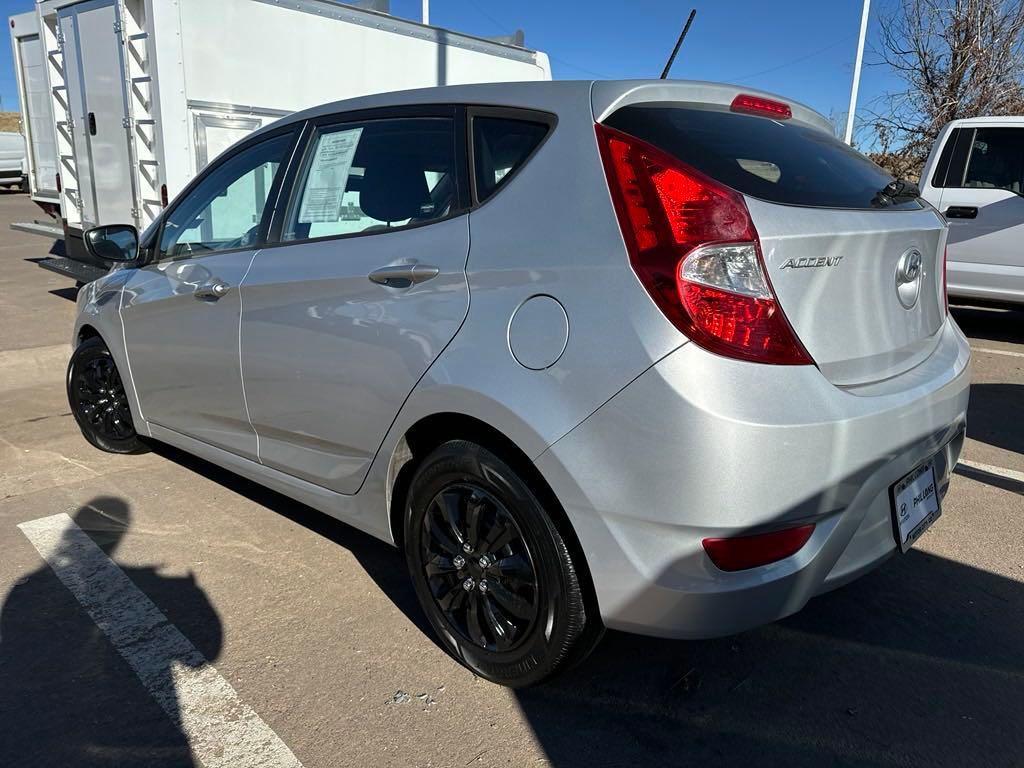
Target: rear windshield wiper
x=896 y=191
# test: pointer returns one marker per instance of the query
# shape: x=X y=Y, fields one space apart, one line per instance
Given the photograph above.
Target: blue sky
x=799 y=48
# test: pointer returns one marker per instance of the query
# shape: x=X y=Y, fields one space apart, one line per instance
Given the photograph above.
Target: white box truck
x=144 y=93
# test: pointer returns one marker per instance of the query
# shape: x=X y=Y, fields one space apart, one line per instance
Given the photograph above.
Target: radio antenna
x=679 y=42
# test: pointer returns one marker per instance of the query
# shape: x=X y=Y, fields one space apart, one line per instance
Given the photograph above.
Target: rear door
x=983 y=200
x=857 y=273
x=367 y=286
x=97 y=90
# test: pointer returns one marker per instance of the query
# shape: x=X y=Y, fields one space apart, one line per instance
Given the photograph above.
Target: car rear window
x=773 y=160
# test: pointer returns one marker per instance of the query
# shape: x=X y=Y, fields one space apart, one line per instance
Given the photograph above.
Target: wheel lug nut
x=483 y=585
x=468 y=585
x=459 y=561
x=485 y=561
x=467 y=548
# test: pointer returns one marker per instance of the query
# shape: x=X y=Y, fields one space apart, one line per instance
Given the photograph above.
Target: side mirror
x=115 y=242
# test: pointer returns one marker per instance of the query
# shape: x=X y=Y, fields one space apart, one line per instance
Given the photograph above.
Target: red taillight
x=694 y=247
x=163 y=195
x=758 y=105
x=59 y=187
x=742 y=552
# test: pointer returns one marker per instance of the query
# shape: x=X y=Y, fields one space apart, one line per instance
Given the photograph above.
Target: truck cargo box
x=144 y=93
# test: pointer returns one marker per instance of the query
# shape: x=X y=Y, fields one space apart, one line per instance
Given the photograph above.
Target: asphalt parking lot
x=314 y=630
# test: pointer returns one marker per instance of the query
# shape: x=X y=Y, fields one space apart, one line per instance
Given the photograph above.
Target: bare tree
x=956 y=58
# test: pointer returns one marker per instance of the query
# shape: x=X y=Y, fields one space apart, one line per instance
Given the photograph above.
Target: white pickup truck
x=975 y=177
x=12 y=160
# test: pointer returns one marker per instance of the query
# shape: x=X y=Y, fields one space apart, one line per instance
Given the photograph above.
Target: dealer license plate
x=915 y=504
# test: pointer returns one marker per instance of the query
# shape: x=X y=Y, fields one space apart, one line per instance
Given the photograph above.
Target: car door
x=983 y=201
x=367 y=285
x=181 y=312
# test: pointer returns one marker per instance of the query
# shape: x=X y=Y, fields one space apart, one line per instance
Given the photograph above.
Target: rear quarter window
x=774 y=160
x=501 y=145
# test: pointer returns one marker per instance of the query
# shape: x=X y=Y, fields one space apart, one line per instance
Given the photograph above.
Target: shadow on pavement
x=918 y=663
x=996 y=415
x=992 y=324
x=70 y=293
x=382 y=562
x=990 y=478
x=67 y=698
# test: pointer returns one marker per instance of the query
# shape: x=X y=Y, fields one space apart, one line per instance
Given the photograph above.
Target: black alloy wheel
x=98 y=400
x=491 y=570
x=478 y=567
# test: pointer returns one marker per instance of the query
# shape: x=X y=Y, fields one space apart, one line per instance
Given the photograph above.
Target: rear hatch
x=856 y=272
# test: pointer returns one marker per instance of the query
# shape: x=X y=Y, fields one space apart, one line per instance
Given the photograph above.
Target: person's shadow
x=67 y=697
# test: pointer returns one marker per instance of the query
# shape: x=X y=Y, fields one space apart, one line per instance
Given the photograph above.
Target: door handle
x=403 y=275
x=962 y=212
x=213 y=291
x=92 y=123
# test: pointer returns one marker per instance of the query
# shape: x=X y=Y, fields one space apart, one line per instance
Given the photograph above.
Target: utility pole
x=856 y=71
x=426 y=11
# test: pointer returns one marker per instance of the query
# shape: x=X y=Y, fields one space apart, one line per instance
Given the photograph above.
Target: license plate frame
x=921 y=507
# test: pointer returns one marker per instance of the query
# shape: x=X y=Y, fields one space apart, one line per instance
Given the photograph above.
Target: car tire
x=98 y=400
x=491 y=571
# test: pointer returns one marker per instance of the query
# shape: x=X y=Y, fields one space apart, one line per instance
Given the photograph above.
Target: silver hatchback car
x=665 y=357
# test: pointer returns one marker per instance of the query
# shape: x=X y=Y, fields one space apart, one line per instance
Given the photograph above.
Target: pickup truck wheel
x=98 y=400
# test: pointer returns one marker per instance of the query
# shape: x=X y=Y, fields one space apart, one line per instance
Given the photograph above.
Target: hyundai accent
x=664 y=357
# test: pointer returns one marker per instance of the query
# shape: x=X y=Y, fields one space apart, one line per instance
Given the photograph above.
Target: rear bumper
x=702 y=446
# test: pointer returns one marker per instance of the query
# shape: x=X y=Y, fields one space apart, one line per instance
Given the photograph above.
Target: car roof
x=602 y=96
x=991 y=120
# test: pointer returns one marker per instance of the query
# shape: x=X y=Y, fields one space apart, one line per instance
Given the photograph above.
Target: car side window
x=500 y=146
x=997 y=160
x=375 y=176
x=224 y=210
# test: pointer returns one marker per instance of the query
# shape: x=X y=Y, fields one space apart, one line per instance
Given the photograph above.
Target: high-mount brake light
x=694 y=247
x=758 y=105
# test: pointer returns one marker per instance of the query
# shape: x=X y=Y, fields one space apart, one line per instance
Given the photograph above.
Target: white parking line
x=221 y=729
x=991 y=351
x=1010 y=474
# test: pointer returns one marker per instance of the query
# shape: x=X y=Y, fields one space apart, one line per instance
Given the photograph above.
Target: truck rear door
x=37 y=114
x=96 y=90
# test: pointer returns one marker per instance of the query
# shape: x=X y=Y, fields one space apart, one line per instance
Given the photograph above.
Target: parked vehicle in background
x=975 y=177
x=706 y=373
x=36 y=116
x=145 y=93
x=12 y=159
